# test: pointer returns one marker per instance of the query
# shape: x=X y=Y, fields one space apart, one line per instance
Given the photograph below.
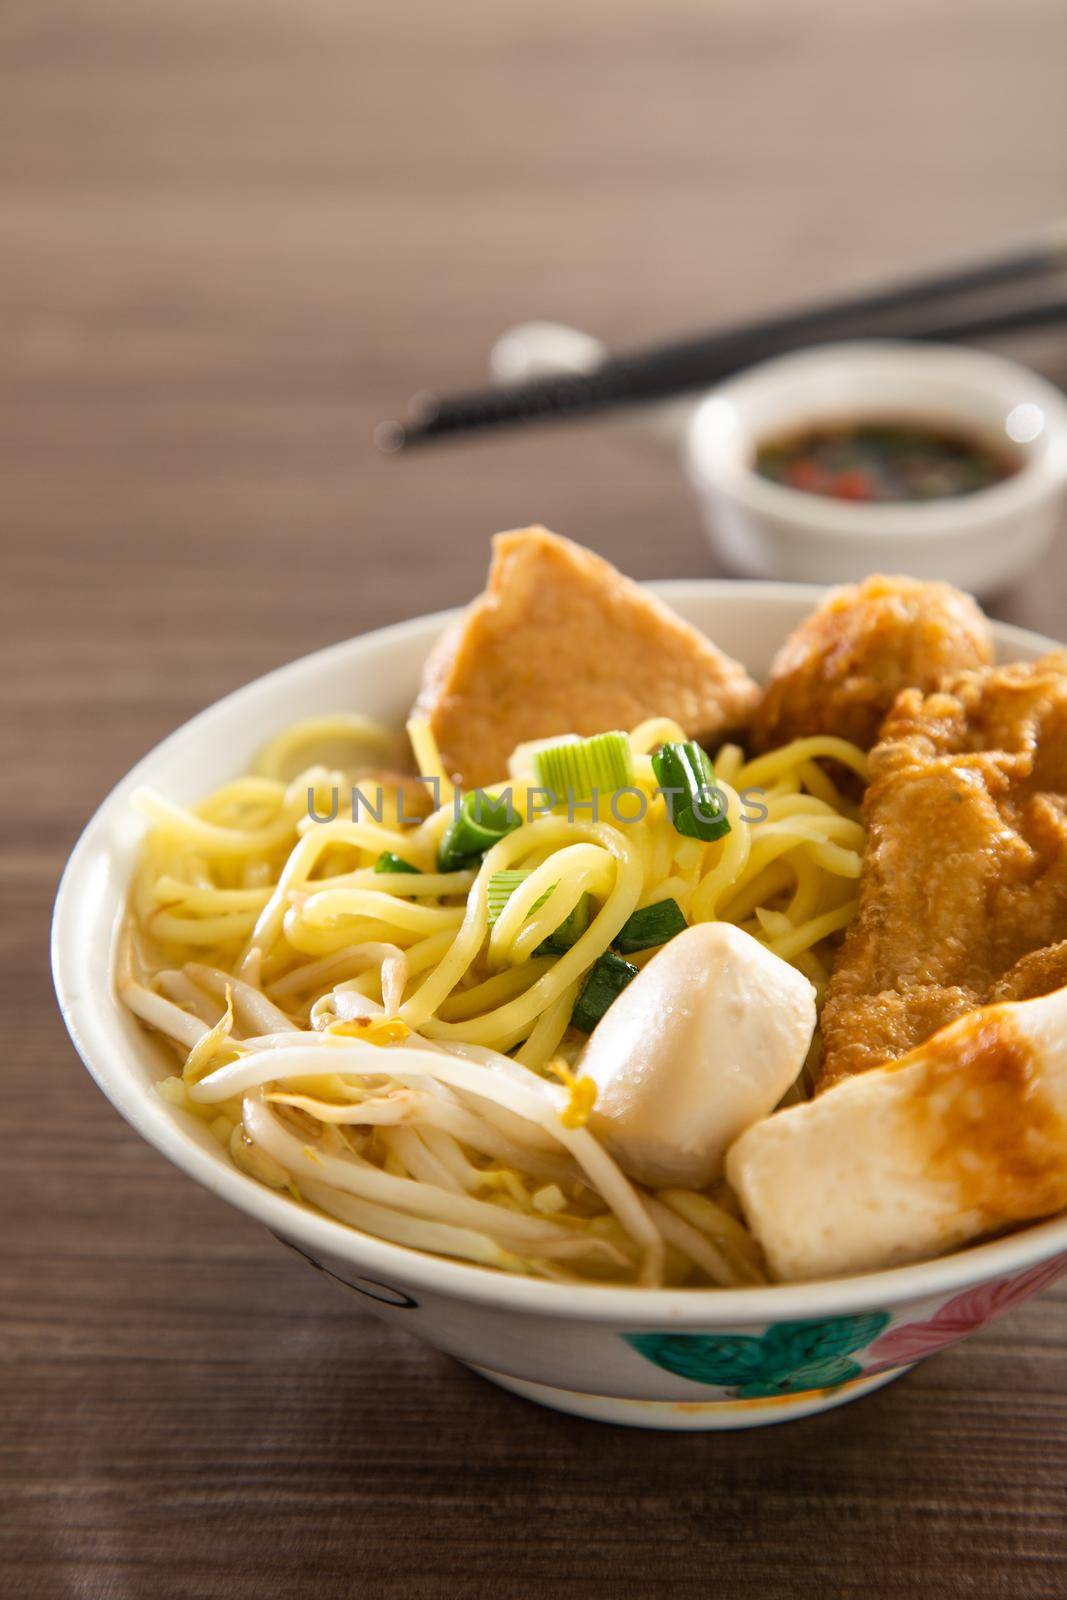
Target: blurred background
x=235 y=235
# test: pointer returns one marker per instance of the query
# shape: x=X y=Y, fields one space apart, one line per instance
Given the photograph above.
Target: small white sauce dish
x=981 y=541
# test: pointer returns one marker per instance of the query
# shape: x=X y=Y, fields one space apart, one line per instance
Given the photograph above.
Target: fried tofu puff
x=840 y=671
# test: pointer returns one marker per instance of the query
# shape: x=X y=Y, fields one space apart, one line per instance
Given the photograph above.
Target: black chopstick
x=657 y=372
x=1013 y=319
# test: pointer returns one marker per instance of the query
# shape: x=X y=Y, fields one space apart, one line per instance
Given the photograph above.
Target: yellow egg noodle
x=376 y=1043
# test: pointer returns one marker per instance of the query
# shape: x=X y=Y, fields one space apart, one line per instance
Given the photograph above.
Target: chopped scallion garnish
x=686 y=776
x=499 y=890
x=650 y=926
x=575 y=769
x=607 y=979
x=480 y=821
x=502 y=886
x=521 y=759
x=569 y=931
x=389 y=861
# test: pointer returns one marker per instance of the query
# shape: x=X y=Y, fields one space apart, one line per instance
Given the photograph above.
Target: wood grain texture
x=233 y=235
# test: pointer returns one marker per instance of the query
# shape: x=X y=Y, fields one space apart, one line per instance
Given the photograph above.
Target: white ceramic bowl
x=981 y=541
x=658 y=1358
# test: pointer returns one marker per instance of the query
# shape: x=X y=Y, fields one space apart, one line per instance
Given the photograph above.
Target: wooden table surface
x=233 y=235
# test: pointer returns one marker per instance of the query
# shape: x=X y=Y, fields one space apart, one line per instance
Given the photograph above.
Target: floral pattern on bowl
x=795 y=1357
x=788 y=1358
x=911 y=1341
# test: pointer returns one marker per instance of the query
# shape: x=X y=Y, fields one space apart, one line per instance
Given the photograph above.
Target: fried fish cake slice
x=964 y=1136
x=560 y=642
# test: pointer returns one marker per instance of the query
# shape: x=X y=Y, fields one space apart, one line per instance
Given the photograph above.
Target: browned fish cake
x=560 y=642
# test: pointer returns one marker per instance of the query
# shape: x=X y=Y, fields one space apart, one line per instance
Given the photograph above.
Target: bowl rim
x=1042 y=473
x=91 y=1015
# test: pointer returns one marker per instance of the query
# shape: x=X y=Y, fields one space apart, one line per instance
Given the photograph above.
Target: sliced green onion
x=479 y=823
x=499 y=890
x=607 y=979
x=569 y=931
x=575 y=769
x=389 y=861
x=687 y=777
x=502 y=886
x=650 y=926
x=521 y=759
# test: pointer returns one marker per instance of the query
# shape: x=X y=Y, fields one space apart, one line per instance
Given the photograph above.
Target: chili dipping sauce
x=884 y=461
